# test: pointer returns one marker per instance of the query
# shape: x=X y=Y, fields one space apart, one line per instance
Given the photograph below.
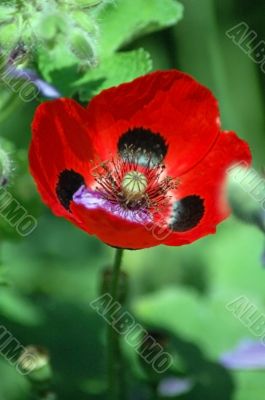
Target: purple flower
x=249 y=354
x=44 y=88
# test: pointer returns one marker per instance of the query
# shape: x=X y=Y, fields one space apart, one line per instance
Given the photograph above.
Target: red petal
x=171 y=103
x=207 y=180
x=60 y=141
x=115 y=231
x=66 y=136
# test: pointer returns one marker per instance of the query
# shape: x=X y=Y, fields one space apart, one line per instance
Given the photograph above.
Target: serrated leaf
x=124 y=20
x=114 y=70
x=58 y=58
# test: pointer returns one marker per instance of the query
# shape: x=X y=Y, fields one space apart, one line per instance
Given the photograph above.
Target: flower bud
x=84 y=3
x=6 y=13
x=85 y=22
x=9 y=35
x=50 y=25
x=35 y=363
x=5 y=168
x=246 y=195
x=83 y=46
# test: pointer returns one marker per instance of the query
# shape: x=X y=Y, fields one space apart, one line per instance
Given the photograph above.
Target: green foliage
x=110 y=72
x=48 y=24
x=203 y=320
x=59 y=66
x=19 y=309
x=128 y=20
x=114 y=71
x=48 y=279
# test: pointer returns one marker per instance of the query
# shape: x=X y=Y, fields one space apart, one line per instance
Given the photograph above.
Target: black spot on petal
x=68 y=183
x=187 y=213
x=143 y=142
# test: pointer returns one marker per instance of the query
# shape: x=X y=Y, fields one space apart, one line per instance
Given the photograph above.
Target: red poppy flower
x=144 y=164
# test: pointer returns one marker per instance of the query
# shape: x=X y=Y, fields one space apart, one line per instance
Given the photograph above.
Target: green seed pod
x=35 y=363
x=82 y=46
x=83 y=3
x=246 y=194
x=50 y=25
x=6 y=13
x=134 y=185
x=9 y=35
x=5 y=167
x=85 y=22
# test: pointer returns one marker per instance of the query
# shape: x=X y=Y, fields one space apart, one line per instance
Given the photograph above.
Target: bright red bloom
x=144 y=164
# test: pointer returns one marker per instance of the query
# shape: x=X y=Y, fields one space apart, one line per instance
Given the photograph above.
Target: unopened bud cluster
x=5 y=168
x=49 y=23
x=246 y=192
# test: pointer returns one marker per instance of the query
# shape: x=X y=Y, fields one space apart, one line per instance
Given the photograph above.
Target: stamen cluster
x=112 y=181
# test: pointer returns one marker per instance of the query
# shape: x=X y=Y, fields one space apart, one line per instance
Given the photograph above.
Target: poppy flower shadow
x=210 y=380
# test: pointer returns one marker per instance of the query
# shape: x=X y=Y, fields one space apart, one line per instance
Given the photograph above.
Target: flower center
x=134 y=185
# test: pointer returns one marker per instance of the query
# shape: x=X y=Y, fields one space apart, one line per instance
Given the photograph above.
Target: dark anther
x=68 y=183
x=144 y=143
x=187 y=213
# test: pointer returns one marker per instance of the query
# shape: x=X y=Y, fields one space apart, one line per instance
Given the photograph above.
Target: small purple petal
x=23 y=73
x=249 y=354
x=93 y=200
x=171 y=387
x=89 y=198
x=45 y=88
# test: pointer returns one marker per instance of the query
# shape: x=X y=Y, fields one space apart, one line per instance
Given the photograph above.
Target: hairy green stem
x=115 y=381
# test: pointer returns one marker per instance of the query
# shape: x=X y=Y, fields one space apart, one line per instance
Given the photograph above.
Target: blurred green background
x=49 y=278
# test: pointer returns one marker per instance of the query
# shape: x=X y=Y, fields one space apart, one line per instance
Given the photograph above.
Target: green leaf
x=125 y=20
x=114 y=70
x=186 y=314
x=250 y=385
x=19 y=309
x=205 y=323
x=6 y=13
x=57 y=58
x=9 y=35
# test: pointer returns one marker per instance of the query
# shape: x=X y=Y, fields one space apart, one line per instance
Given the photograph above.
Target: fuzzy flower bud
x=46 y=24
x=35 y=362
x=7 y=13
x=83 y=47
x=246 y=189
x=84 y=3
x=5 y=168
x=51 y=25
